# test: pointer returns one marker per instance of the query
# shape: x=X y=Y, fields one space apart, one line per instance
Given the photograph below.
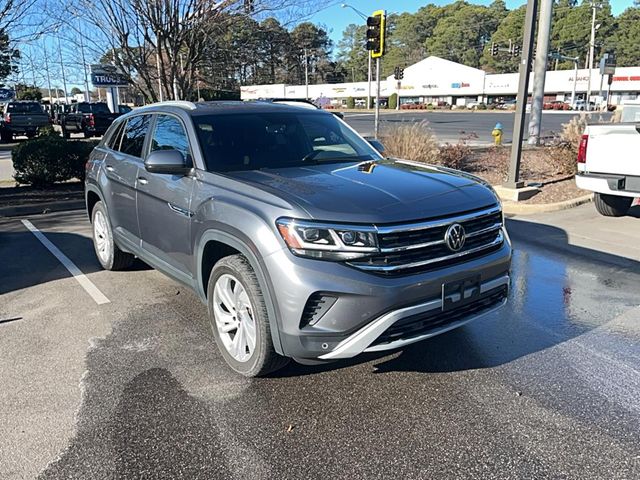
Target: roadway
x=451 y=126
x=134 y=387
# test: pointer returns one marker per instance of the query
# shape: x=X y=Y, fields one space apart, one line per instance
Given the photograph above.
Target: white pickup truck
x=609 y=163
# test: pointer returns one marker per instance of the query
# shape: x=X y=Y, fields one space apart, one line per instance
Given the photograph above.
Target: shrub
x=47 y=130
x=412 y=142
x=351 y=103
x=454 y=155
x=393 y=101
x=482 y=106
x=50 y=159
x=563 y=152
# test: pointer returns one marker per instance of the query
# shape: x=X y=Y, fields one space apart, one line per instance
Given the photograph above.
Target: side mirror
x=169 y=162
x=376 y=144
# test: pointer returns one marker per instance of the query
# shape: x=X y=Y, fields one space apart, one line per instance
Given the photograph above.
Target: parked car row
x=27 y=117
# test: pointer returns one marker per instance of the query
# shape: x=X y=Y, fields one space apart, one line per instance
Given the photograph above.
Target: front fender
x=240 y=242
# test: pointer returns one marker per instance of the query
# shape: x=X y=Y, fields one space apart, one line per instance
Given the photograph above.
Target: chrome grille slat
x=416 y=247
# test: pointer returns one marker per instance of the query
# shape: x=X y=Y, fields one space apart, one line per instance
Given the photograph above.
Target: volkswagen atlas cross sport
x=301 y=238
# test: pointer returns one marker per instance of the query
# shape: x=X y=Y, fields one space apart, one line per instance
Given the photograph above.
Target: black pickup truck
x=91 y=119
x=21 y=118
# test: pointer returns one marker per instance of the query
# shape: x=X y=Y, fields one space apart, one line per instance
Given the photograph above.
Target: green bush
x=49 y=159
x=351 y=102
x=393 y=101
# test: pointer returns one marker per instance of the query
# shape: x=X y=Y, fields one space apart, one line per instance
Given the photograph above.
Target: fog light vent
x=317 y=305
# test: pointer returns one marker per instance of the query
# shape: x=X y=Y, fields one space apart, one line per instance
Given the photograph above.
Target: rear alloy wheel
x=239 y=318
x=612 y=205
x=108 y=253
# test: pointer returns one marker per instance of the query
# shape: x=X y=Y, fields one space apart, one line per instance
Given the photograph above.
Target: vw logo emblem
x=454 y=237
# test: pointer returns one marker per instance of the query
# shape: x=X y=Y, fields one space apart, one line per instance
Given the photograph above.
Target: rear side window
x=169 y=134
x=113 y=142
x=24 y=108
x=99 y=108
x=134 y=134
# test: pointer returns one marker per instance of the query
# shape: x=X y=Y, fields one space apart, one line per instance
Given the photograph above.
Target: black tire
x=115 y=259
x=612 y=205
x=263 y=359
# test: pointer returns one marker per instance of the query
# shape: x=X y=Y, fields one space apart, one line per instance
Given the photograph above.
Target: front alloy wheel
x=234 y=317
x=239 y=318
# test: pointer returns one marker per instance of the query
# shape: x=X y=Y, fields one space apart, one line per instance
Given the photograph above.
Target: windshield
x=253 y=141
x=25 y=108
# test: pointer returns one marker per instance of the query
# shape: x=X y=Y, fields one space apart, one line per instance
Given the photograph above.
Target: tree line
x=464 y=32
x=197 y=48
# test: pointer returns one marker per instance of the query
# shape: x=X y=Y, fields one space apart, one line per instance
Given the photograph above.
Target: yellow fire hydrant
x=497 y=134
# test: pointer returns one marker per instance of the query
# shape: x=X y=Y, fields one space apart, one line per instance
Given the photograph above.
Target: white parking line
x=80 y=277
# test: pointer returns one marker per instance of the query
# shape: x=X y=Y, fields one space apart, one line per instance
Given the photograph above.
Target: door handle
x=109 y=168
x=143 y=180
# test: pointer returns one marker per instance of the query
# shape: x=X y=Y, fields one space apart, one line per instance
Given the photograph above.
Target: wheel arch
x=216 y=244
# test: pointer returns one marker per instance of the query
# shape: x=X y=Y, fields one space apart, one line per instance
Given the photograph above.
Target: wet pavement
x=547 y=388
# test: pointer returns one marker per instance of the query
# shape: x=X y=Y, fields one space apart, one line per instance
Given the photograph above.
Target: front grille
x=419 y=247
x=423 y=323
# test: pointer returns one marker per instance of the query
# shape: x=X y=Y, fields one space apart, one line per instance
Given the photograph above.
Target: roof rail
x=175 y=103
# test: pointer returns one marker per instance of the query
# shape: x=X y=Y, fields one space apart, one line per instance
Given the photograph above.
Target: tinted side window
x=169 y=134
x=114 y=139
x=133 y=137
x=83 y=108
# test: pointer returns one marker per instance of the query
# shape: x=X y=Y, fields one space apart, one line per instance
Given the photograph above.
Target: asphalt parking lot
x=133 y=387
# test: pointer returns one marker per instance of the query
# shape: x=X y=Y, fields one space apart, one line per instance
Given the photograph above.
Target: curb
x=515 y=208
x=40 y=208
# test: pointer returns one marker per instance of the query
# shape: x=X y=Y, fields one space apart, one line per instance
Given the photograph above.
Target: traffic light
x=516 y=50
x=376 y=25
x=400 y=73
x=494 y=49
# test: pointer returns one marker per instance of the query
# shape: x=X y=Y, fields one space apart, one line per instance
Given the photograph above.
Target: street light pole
x=592 y=42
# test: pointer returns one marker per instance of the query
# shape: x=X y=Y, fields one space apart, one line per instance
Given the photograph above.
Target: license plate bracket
x=459 y=293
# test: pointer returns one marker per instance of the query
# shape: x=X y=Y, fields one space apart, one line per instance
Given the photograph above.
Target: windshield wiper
x=355 y=158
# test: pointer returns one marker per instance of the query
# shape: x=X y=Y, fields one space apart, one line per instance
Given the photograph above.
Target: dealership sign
x=107 y=76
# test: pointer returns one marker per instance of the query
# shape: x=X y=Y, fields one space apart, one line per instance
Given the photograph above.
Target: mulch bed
x=541 y=167
x=17 y=196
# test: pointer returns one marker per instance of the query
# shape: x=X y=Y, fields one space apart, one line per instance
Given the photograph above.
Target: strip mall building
x=435 y=80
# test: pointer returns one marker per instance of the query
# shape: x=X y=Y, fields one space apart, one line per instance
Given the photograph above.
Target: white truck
x=609 y=162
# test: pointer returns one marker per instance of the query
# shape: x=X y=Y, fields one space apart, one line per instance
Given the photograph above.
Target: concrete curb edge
x=515 y=208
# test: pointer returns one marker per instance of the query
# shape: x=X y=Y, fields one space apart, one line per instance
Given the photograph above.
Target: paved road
x=451 y=126
x=133 y=388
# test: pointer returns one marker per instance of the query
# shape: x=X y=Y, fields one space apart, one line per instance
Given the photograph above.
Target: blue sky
x=337 y=18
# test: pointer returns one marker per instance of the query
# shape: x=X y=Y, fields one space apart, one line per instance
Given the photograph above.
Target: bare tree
x=161 y=44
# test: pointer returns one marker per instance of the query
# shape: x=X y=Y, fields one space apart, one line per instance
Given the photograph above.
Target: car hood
x=388 y=191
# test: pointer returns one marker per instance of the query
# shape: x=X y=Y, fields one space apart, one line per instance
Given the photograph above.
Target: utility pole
x=87 y=97
x=513 y=178
x=540 y=71
x=64 y=77
x=575 y=81
x=306 y=74
x=592 y=42
x=46 y=69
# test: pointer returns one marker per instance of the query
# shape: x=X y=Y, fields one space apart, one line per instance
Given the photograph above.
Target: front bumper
x=618 y=185
x=363 y=340
x=364 y=304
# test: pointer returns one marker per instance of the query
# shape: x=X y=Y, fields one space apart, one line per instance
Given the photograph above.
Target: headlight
x=327 y=241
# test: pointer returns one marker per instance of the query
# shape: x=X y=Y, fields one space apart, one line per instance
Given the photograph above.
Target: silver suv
x=301 y=238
